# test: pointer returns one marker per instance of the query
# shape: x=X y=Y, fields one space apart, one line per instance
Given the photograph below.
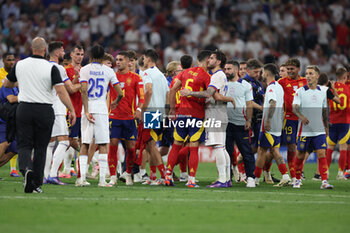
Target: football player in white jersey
x=60 y=127
x=94 y=79
x=310 y=106
x=215 y=112
x=271 y=125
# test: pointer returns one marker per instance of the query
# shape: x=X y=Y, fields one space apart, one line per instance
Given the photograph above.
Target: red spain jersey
x=177 y=97
x=75 y=97
x=132 y=86
x=340 y=113
x=289 y=87
x=195 y=79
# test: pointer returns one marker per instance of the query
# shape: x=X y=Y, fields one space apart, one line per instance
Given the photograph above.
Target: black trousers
x=237 y=133
x=34 y=125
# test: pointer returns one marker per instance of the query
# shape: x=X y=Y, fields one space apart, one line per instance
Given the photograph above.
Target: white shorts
x=98 y=130
x=60 y=126
x=213 y=138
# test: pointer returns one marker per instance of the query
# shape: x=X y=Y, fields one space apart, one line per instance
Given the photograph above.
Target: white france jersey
x=311 y=103
x=159 y=88
x=58 y=107
x=274 y=91
x=215 y=109
x=97 y=76
x=242 y=92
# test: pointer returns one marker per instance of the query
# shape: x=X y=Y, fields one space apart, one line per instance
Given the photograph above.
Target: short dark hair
x=340 y=72
x=67 y=56
x=221 y=57
x=322 y=79
x=97 y=52
x=186 y=61
x=7 y=54
x=293 y=62
x=202 y=55
x=132 y=54
x=234 y=63
x=55 y=45
x=126 y=54
x=140 y=61
x=79 y=47
x=253 y=64
x=243 y=63
x=271 y=68
x=151 y=53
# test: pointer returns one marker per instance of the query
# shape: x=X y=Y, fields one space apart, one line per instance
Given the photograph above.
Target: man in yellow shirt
x=9 y=62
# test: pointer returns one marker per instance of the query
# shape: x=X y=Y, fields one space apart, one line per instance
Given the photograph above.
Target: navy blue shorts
x=188 y=127
x=338 y=133
x=13 y=145
x=75 y=130
x=316 y=142
x=267 y=140
x=123 y=129
x=289 y=132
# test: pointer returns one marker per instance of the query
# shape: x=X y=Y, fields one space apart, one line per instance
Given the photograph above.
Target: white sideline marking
x=40 y=197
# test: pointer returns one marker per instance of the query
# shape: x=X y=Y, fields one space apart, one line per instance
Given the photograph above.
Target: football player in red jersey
x=191 y=108
x=339 y=119
x=123 y=119
x=290 y=127
x=77 y=55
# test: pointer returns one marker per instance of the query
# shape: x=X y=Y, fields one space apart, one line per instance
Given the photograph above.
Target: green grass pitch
x=176 y=209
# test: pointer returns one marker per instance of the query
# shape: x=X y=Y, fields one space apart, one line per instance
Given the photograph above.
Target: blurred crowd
x=316 y=32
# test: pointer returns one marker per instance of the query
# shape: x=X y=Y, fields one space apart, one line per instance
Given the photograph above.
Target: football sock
x=112 y=159
x=329 y=156
x=267 y=166
x=172 y=158
x=83 y=166
x=241 y=168
x=258 y=171
x=68 y=160
x=48 y=159
x=193 y=161
x=228 y=165
x=161 y=169
x=182 y=159
x=130 y=158
x=13 y=163
x=291 y=163
x=219 y=154
x=103 y=163
x=283 y=168
x=323 y=167
x=58 y=156
x=153 y=172
x=342 y=159
x=299 y=164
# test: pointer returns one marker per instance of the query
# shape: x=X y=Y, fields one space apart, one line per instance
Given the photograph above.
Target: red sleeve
x=140 y=89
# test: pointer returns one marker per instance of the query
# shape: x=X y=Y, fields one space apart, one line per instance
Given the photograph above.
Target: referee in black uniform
x=36 y=78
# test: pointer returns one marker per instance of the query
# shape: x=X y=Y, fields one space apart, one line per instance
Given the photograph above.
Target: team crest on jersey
x=302 y=145
x=289 y=85
x=128 y=81
x=314 y=99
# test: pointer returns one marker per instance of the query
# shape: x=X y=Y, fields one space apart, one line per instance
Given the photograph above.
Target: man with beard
x=240 y=118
